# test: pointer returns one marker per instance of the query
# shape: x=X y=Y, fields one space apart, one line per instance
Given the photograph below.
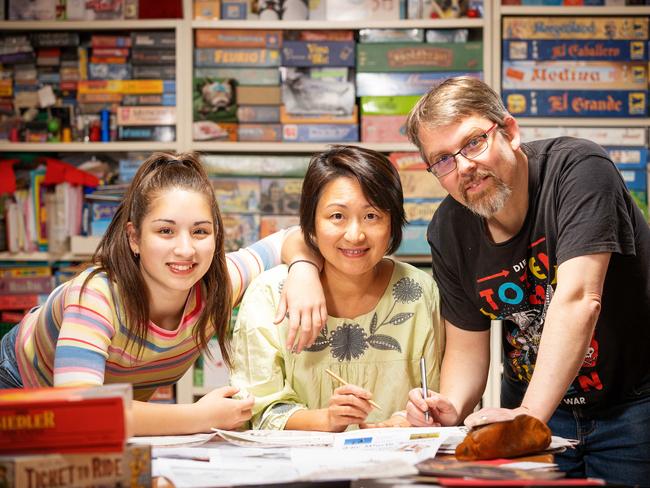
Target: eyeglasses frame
x=484 y=135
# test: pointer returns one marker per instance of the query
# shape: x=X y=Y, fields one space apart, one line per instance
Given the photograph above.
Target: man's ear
x=512 y=130
x=133 y=238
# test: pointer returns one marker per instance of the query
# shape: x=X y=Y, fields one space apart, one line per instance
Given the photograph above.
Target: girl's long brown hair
x=160 y=172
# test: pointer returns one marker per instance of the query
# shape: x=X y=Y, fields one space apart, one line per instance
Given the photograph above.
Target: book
x=128 y=468
x=45 y=420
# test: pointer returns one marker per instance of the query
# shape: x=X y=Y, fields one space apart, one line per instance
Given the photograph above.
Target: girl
x=160 y=289
x=384 y=314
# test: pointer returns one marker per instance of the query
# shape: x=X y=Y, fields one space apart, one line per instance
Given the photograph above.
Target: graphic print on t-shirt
x=520 y=296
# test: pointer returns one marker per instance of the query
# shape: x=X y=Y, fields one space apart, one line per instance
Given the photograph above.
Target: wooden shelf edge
x=116 y=146
x=582 y=122
x=131 y=24
x=570 y=11
x=293 y=147
x=332 y=24
x=41 y=256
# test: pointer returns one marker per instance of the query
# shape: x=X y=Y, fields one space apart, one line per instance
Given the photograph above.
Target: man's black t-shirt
x=578 y=205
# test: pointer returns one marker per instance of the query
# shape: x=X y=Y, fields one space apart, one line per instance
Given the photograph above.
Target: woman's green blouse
x=379 y=350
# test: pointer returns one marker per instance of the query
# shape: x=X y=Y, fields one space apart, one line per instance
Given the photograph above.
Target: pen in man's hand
x=425 y=393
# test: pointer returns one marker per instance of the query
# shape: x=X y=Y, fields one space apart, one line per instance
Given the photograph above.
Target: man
x=545 y=237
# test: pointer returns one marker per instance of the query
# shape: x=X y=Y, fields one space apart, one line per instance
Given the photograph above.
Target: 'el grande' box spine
x=576 y=103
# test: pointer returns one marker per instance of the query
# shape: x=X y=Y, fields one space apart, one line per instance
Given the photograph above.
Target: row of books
x=575 y=66
x=340 y=10
x=264 y=85
x=95 y=87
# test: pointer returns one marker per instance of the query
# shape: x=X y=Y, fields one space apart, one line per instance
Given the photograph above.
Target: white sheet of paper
x=278 y=438
x=326 y=463
x=174 y=440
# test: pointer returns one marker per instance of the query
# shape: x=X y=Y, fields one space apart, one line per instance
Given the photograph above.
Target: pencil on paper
x=343 y=382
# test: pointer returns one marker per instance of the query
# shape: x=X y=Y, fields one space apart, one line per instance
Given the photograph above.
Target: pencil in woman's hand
x=343 y=382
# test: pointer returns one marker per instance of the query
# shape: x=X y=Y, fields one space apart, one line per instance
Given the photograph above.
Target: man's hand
x=441 y=411
x=303 y=302
x=490 y=415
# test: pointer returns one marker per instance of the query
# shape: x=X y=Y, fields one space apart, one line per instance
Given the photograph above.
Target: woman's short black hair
x=378 y=178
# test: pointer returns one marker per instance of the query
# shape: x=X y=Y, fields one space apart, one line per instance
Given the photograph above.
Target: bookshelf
x=184 y=29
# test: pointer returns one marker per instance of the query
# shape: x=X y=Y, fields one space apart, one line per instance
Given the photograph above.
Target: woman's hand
x=348 y=405
x=303 y=303
x=218 y=409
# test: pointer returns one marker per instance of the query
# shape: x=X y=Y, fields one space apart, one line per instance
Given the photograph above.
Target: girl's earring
x=136 y=255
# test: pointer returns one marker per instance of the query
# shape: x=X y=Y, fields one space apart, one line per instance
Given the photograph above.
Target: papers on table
x=254 y=457
x=386 y=438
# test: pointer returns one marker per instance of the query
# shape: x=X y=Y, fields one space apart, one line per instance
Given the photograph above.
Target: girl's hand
x=348 y=405
x=303 y=303
x=218 y=409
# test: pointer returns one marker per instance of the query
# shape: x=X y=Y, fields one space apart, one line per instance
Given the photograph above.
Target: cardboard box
x=574 y=49
x=409 y=57
x=573 y=75
x=130 y=468
x=576 y=103
x=207 y=9
x=607 y=27
x=383 y=128
x=259 y=95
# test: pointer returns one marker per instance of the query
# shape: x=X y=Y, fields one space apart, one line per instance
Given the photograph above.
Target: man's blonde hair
x=451 y=101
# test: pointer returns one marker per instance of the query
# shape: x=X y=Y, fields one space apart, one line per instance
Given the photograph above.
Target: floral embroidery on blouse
x=350 y=340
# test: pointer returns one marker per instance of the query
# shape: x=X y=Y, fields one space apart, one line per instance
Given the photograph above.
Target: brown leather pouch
x=522 y=435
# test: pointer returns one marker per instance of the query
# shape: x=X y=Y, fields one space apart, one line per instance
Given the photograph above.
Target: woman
x=161 y=288
x=383 y=314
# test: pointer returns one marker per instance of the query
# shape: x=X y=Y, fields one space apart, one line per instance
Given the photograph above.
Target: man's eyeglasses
x=445 y=164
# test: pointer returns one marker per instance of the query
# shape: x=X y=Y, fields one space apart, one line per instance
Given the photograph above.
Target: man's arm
x=462 y=379
x=465 y=367
x=568 y=329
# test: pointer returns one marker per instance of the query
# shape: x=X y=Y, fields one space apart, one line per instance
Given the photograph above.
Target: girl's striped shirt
x=73 y=340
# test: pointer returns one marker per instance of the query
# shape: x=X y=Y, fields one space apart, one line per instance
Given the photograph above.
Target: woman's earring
x=136 y=255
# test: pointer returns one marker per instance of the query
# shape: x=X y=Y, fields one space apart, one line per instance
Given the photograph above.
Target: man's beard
x=491 y=200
